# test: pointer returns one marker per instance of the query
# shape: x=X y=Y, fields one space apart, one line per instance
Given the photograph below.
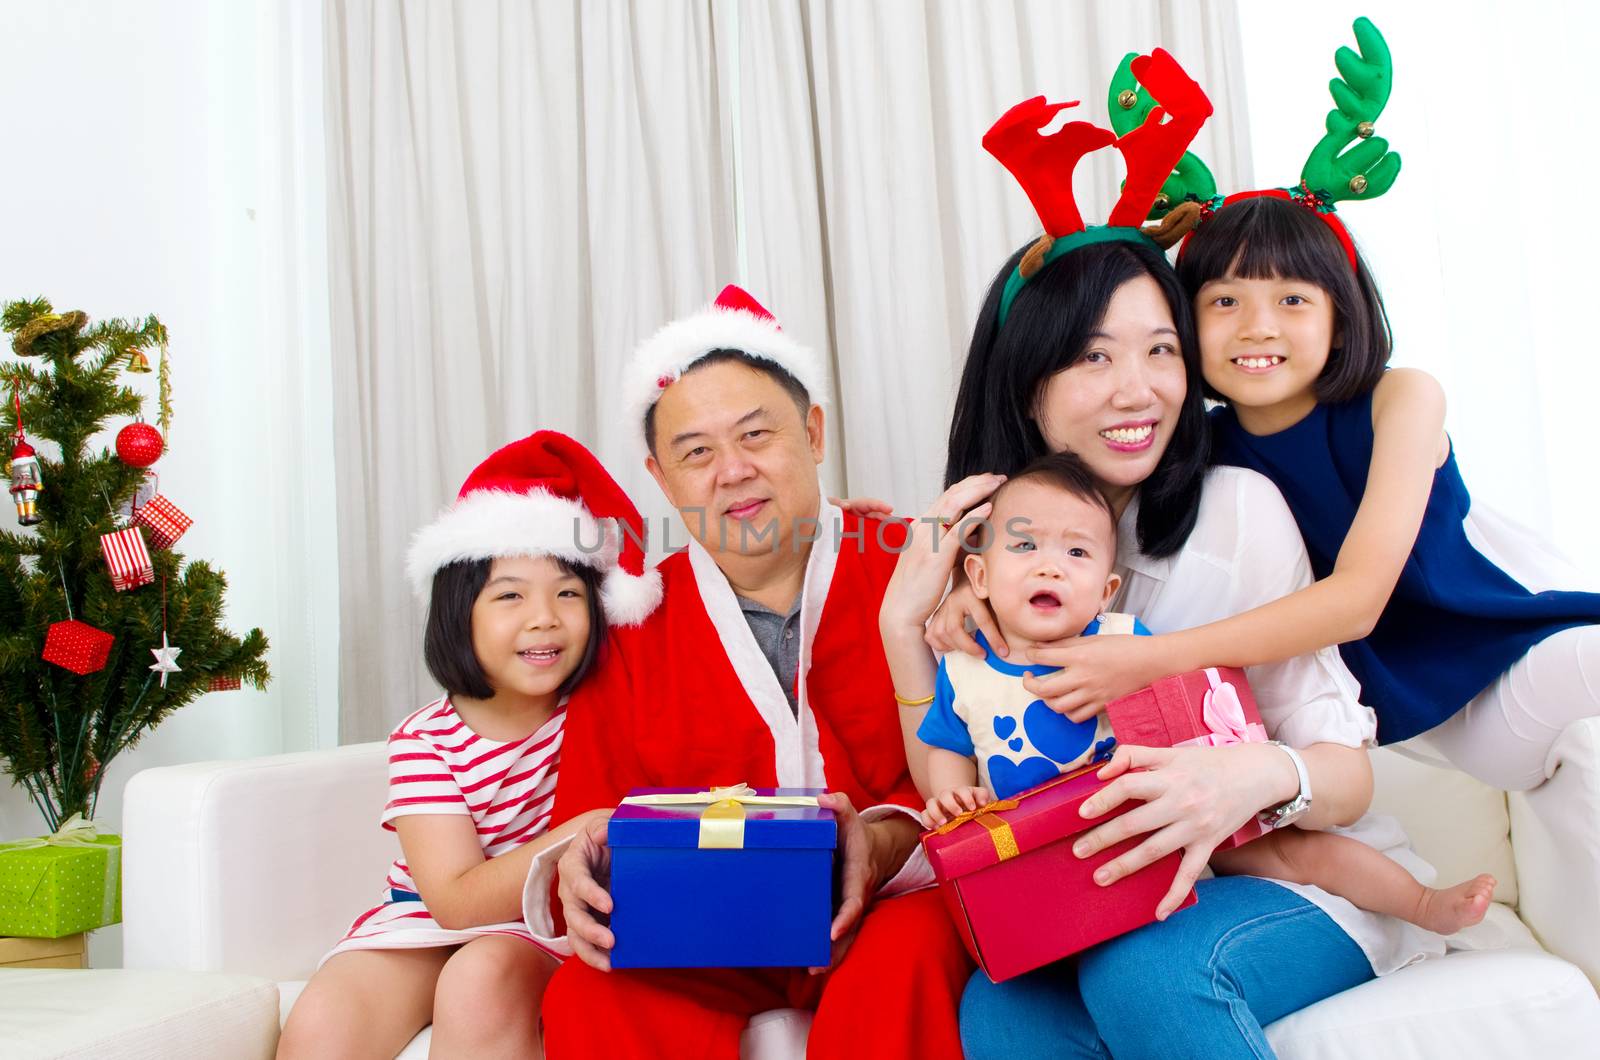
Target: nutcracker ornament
x=24 y=471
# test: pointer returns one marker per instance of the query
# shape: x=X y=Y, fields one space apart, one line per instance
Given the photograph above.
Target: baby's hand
x=950 y=803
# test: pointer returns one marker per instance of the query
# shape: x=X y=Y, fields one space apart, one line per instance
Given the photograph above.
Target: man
x=762 y=665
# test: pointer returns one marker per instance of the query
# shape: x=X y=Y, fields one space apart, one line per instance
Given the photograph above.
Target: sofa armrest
x=1555 y=831
x=255 y=866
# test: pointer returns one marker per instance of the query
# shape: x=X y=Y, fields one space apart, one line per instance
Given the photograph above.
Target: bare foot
x=1448 y=910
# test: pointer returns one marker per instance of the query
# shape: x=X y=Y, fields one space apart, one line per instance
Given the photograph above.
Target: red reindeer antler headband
x=1043 y=165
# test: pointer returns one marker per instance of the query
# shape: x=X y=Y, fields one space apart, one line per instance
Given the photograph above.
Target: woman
x=1097 y=355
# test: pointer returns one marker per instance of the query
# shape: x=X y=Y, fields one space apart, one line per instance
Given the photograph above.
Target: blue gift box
x=721 y=884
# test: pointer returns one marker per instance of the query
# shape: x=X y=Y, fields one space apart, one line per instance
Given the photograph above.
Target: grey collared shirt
x=779 y=639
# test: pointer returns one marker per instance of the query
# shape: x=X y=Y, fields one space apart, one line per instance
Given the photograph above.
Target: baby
x=1046 y=573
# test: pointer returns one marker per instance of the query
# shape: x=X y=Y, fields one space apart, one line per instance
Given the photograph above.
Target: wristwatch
x=1288 y=813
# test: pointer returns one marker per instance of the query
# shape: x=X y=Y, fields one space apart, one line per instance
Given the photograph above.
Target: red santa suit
x=688 y=699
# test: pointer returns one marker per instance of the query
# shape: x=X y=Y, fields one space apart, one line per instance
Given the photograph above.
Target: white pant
x=1504 y=736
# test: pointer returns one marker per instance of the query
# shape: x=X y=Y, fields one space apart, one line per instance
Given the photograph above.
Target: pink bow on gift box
x=1224 y=716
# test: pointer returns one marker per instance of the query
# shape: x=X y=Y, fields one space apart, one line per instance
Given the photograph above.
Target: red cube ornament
x=223 y=683
x=77 y=646
x=1209 y=708
x=163 y=521
x=128 y=559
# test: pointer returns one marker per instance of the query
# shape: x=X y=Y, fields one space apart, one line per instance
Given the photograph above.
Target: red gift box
x=1020 y=897
x=222 y=683
x=128 y=559
x=162 y=520
x=1211 y=708
x=77 y=646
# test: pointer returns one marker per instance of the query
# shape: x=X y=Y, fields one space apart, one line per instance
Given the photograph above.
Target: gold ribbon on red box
x=1000 y=833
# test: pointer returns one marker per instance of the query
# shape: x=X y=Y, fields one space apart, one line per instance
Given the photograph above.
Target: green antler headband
x=1331 y=173
x=1368 y=169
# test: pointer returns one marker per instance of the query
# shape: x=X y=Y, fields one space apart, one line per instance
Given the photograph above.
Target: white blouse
x=1245 y=551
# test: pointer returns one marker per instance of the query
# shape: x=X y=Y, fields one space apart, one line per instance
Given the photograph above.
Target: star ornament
x=166 y=659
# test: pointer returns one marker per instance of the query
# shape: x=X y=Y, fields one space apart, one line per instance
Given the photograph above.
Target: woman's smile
x=1131 y=437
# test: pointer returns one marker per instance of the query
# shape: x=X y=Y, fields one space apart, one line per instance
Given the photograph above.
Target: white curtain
x=521 y=192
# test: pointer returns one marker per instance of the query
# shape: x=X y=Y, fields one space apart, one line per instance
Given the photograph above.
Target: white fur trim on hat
x=492 y=524
x=629 y=598
x=671 y=351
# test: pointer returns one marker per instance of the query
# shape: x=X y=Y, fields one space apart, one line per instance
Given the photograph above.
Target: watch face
x=1291 y=813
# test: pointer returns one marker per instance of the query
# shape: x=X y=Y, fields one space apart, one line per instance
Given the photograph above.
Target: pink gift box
x=1212 y=707
x=1020 y=897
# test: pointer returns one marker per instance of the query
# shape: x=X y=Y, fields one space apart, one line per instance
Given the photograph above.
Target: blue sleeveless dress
x=1455 y=622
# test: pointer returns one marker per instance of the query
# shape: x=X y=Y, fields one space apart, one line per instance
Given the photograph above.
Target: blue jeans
x=1203 y=983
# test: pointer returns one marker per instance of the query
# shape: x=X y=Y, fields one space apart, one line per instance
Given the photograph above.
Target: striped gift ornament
x=128 y=559
x=162 y=520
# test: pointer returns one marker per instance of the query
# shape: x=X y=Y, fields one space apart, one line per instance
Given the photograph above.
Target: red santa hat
x=735 y=321
x=545 y=495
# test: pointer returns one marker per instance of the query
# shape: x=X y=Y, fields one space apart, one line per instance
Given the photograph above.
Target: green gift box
x=56 y=886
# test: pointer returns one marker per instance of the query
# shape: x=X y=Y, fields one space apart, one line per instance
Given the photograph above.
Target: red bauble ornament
x=139 y=444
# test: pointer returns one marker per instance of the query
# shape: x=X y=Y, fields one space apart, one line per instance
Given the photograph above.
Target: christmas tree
x=82 y=614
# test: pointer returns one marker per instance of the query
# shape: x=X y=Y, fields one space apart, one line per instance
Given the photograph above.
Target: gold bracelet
x=904 y=702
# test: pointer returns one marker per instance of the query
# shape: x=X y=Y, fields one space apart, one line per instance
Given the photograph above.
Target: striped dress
x=437 y=765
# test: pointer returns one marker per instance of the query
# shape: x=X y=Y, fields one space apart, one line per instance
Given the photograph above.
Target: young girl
x=525 y=572
x=1445 y=613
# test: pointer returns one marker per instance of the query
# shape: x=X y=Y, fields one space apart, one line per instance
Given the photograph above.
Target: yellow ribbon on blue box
x=60 y=884
x=722 y=820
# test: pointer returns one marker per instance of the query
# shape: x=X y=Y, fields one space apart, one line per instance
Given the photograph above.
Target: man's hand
x=870 y=852
x=585 y=869
x=953 y=802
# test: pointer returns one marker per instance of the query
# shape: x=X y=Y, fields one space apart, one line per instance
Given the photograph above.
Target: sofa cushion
x=1491 y=1004
x=136 y=1014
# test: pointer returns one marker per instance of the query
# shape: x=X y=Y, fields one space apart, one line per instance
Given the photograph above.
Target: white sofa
x=257 y=866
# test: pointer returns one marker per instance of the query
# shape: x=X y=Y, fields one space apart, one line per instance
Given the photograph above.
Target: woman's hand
x=1193 y=798
x=862 y=505
x=947 y=630
x=1094 y=671
x=933 y=549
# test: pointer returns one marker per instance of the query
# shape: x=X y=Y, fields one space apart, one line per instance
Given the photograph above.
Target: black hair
x=447 y=638
x=1066 y=472
x=771 y=369
x=994 y=429
x=1270 y=238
